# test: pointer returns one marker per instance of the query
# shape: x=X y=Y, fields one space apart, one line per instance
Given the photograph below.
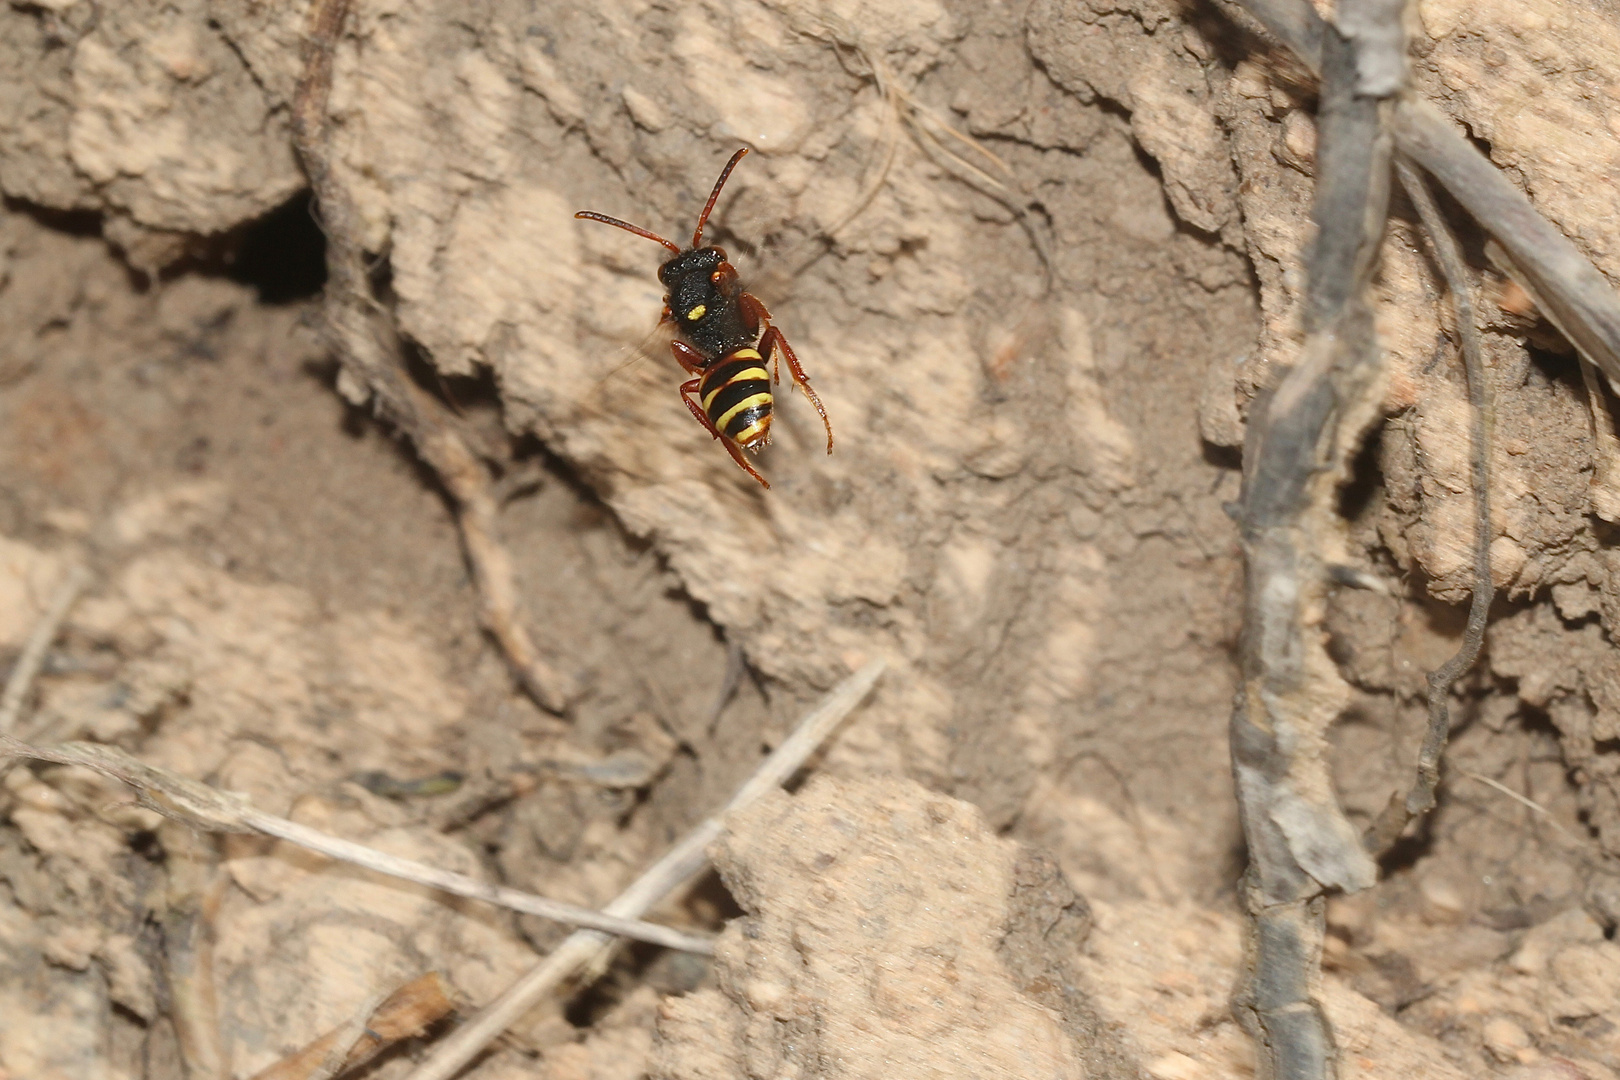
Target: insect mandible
x=723 y=337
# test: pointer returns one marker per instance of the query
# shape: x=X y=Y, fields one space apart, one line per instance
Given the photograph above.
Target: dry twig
x=1300 y=441
x=1575 y=297
x=366 y=341
x=1569 y=290
x=406 y=1013
x=26 y=669
x=1420 y=800
x=212 y=810
x=586 y=954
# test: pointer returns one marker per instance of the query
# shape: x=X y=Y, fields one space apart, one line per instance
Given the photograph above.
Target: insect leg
x=753 y=312
x=756 y=316
x=742 y=463
x=689 y=358
x=696 y=410
x=767 y=345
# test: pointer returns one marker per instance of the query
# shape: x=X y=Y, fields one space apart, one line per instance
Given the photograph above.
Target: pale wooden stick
x=210 y=809
x=28 y=662
x=461 y=885
x=582 y=949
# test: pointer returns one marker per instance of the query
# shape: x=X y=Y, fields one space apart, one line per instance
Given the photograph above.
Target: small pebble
x=1174 y=1066
x=1443 y=902
x=1505 y=1039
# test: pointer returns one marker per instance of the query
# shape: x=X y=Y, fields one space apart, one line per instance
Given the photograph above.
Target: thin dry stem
x=890 y=140
x=1527 y=802
x=974 y=176
x=1585 y=849
x=1421 y=799
x=905 y=110
x=212 y=810
x=26 y=669
x=587 y=953
x=477 y=509
x=924 y=120
x=461 y=885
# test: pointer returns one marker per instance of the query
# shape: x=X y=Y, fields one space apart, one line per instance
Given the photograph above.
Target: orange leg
x=708 y=425
x=689 y=358
x=755 y=316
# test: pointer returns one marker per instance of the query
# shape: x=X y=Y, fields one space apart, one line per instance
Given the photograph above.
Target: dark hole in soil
x=283 y=254
x=667 y=971
x=1362 y=493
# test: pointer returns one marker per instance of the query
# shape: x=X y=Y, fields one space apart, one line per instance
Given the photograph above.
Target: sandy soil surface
x=1037 y=258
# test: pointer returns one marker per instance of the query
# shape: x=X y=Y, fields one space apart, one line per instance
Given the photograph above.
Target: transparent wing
x=654 y=345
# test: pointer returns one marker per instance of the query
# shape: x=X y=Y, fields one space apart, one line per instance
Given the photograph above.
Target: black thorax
x=706 y=315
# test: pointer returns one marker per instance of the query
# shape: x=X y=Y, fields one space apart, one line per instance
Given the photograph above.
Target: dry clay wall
x=1036 y=259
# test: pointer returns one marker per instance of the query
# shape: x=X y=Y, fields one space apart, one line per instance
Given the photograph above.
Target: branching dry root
x=1302 y=433
x=367 y=344
x=1420 y=800
x=1300 y=442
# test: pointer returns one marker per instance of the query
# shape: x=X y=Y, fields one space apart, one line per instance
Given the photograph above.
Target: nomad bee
x=718 y=339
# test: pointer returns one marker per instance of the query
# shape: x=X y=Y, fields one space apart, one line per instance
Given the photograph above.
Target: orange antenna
x=714 y=196
x=592 y=215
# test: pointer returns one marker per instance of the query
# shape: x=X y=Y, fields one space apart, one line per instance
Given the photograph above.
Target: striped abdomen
x=736 y=395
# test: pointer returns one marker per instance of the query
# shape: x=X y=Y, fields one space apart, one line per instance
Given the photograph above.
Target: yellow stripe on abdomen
x=757 y=374
x=746 y=403
x=753 y=432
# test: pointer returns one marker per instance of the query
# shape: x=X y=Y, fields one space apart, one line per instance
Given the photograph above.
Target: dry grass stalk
x=26 y=669
x=584 y=955
x=212 y=810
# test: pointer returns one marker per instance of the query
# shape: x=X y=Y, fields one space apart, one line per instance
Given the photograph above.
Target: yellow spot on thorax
x=697 y=313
